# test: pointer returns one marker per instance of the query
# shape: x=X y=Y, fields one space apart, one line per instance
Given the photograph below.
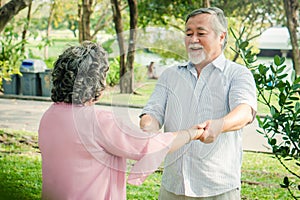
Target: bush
x=113 y=75
x=11 y=53
x=281 y=126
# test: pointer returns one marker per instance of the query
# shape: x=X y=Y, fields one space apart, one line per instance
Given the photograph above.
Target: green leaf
x=272 y=69
x=278 y=61
x=296 y=86
x=272 y=141
x=282 y=76
x=287 y=129
x=261 y=69
x=282 y=98
x=280 y=84
x=281 y=69
x=297 y=107
x=297 y=80
x=243 y=45
x=294 y=98
x=273 y=111
x=286 y=181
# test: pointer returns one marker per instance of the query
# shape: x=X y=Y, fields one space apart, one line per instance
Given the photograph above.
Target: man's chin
x=196 y=61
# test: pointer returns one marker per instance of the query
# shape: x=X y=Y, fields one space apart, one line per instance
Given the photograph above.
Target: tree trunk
x=117 y=18
x=86 y=16
x=9 y=10
x=80 y=31
x=26 y=26
x=292 y=13
x=49 y=22
x=126 y=84
x=206 y=3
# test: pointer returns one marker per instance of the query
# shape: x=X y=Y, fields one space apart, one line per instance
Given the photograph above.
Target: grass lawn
x=20 y=175
x=142 y=92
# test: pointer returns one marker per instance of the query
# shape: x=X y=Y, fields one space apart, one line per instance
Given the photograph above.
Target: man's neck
x=203 y=64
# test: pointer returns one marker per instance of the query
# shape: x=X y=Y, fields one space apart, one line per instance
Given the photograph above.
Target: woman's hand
x=196 y=131
x=212 y=130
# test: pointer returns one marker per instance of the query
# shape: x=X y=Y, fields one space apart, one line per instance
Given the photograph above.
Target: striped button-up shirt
x=181 y=100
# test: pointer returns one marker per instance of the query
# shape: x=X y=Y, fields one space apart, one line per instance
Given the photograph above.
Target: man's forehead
x=199 y=23
x=199 y=28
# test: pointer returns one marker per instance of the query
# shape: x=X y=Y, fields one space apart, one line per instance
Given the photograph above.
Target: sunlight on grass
x=261 y=177
x=139 y=98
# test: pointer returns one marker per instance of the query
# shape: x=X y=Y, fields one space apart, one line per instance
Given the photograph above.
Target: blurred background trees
x=153 y=25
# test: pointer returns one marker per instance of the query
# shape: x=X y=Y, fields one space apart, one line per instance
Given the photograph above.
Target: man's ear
x=222 y=38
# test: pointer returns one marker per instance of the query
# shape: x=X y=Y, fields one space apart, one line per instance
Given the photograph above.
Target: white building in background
x=275 y=38
x=276 y=41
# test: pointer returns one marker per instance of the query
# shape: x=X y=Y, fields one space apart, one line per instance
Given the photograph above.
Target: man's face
x=202 y=43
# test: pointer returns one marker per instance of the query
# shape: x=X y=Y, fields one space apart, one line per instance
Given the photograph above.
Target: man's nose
x=194 y=39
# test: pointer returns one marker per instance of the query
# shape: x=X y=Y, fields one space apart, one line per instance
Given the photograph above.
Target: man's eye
x=189 y=34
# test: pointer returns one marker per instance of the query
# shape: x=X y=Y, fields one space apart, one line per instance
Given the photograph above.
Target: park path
x=25 y=115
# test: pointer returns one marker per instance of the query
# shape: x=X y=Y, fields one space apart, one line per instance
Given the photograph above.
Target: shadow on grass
x=20 y=177
x=20 y=174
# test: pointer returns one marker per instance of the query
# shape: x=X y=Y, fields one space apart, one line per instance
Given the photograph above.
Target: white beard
x=197 y=57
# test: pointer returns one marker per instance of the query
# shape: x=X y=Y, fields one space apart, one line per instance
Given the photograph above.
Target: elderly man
x=212 y=90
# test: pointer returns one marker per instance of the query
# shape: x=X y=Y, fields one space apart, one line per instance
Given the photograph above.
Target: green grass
x=261 y=176
x=20 y=175
x=139 y=98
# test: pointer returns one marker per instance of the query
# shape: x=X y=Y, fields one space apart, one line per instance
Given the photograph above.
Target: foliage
x=113 y=75
x=256 y=15
x=165 y=42
x=172 y=13
x=11 y=53
x=282 y=126
x=167 y=13
x=50 y=62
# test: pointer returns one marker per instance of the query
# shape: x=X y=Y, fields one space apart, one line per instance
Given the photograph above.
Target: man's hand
x=212 y=129
x=149 y=124
x=196 y=131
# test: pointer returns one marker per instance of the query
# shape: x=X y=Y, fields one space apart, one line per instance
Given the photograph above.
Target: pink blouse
x=84 y=152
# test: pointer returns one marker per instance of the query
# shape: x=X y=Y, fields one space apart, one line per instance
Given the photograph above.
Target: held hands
x=212 y=129
x=196 y=131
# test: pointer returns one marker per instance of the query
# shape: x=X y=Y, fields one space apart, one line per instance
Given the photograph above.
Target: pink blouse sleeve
x=131 y=142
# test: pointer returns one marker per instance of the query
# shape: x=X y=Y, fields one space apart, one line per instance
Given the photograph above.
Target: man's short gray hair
x=218 y=22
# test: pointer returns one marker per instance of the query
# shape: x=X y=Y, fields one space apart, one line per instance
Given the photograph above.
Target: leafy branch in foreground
x=281 y=126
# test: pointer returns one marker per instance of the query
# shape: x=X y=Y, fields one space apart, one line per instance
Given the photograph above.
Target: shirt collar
x=219 y=63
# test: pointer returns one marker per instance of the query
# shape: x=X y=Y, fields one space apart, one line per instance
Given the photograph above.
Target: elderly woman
x=84 y=149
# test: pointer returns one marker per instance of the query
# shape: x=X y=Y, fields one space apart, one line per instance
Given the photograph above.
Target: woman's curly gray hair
x=79 y=74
